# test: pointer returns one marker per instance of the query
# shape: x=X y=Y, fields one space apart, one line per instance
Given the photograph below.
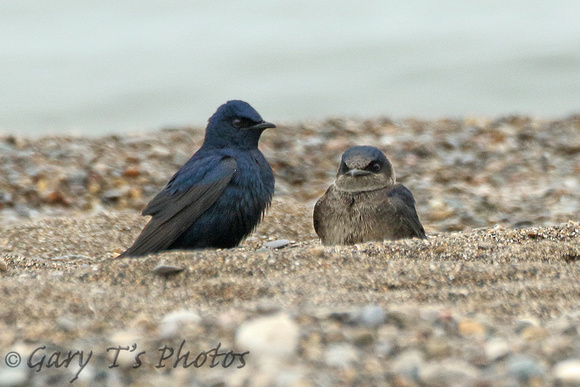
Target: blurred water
x=119 y=65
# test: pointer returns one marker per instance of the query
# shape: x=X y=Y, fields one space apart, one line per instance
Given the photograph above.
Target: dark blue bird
x=219 y=196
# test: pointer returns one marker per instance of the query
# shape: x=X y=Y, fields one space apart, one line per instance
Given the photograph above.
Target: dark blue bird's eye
x=237 y=123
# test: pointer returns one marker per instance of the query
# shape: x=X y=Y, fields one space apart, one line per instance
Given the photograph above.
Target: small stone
x=473 y=351
x=558 y=348
x=93 y=187
x=311 y=347
x=13 y=376
x=438 y=348
x=3 y=266
x=471 y=328
x=267 y=307
x=524 y=369
x=317 y=251
x=135 y=194
x=132 y=158
x=66 y=323
x=364 y=337
x=290 y=377
x=180 y=157
x=408 y=364
x=485 y=246
x=430 y=313
x=496 y=349
x=143 y=322
x=131 y=338
x=567 y=372
x=268 y=336
x=116 y=193
x=22 y=210
x=403 y=315
x=165 y=269
x=55 y=197
x=319 y=312
x=334 y=334
x=389 y=333
x=174 y=322
x=159 y=152
x=449 y=372
x=526 y=322
x=132 y=172
x=563 y=326
x=340 y=355
x=371 y=316
x=535 y=333
x=342 y=314
x=277 y=244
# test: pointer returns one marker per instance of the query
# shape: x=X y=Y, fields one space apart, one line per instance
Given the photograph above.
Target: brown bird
x=364 y=203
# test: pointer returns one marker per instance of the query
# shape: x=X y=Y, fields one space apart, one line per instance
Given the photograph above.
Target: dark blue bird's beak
x=262 y=126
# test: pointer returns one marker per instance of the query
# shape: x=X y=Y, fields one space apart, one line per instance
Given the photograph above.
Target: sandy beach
x=491 y=298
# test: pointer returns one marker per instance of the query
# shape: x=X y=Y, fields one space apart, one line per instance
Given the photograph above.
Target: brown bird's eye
x=237 y=122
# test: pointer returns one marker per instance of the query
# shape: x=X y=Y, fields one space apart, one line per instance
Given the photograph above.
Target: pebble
x=267 y=336
x=567 y=372
x=317 y=251
x=449 y=372
x=13 y=377
x=173 y=323
x=535 y=333
x=3 y=265
x=340 y=355
x=408 y=363
x=180 y=157
x=496 y=349
x=524 y=369
x=403 y=316
x=364 y=337
x=471 y=328
x=277 y=244
x=563 y=326
x=158 y=151
x=523 y=323
x=116 y=193
x=371 y=316
x=558 y=347
x=130 y=338
x=165 y=269
x=438 y=348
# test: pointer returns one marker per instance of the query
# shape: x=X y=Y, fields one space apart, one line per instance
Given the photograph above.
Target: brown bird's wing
x=320 y=208
x=404 y=204
x=173 y=212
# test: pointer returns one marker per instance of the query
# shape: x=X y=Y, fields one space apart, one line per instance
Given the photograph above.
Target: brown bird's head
x=364 y=168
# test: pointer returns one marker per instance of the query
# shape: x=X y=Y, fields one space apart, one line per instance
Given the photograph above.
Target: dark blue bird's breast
x=239 y=208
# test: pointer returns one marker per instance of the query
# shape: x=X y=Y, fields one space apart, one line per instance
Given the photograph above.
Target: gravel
x=491 y=298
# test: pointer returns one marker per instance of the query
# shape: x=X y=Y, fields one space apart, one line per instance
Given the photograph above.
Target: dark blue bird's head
x=364 y=168
x=235 y=124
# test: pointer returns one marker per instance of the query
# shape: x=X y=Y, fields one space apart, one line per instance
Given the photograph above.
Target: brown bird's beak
x=357 y=172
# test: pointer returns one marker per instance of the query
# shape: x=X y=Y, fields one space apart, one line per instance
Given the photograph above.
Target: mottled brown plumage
x=365 y=203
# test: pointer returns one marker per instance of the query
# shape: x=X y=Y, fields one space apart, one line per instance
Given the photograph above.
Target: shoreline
x=489 y=299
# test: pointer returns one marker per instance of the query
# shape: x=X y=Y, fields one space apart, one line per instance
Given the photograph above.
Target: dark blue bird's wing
x=404 y=203
x=177 y=207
